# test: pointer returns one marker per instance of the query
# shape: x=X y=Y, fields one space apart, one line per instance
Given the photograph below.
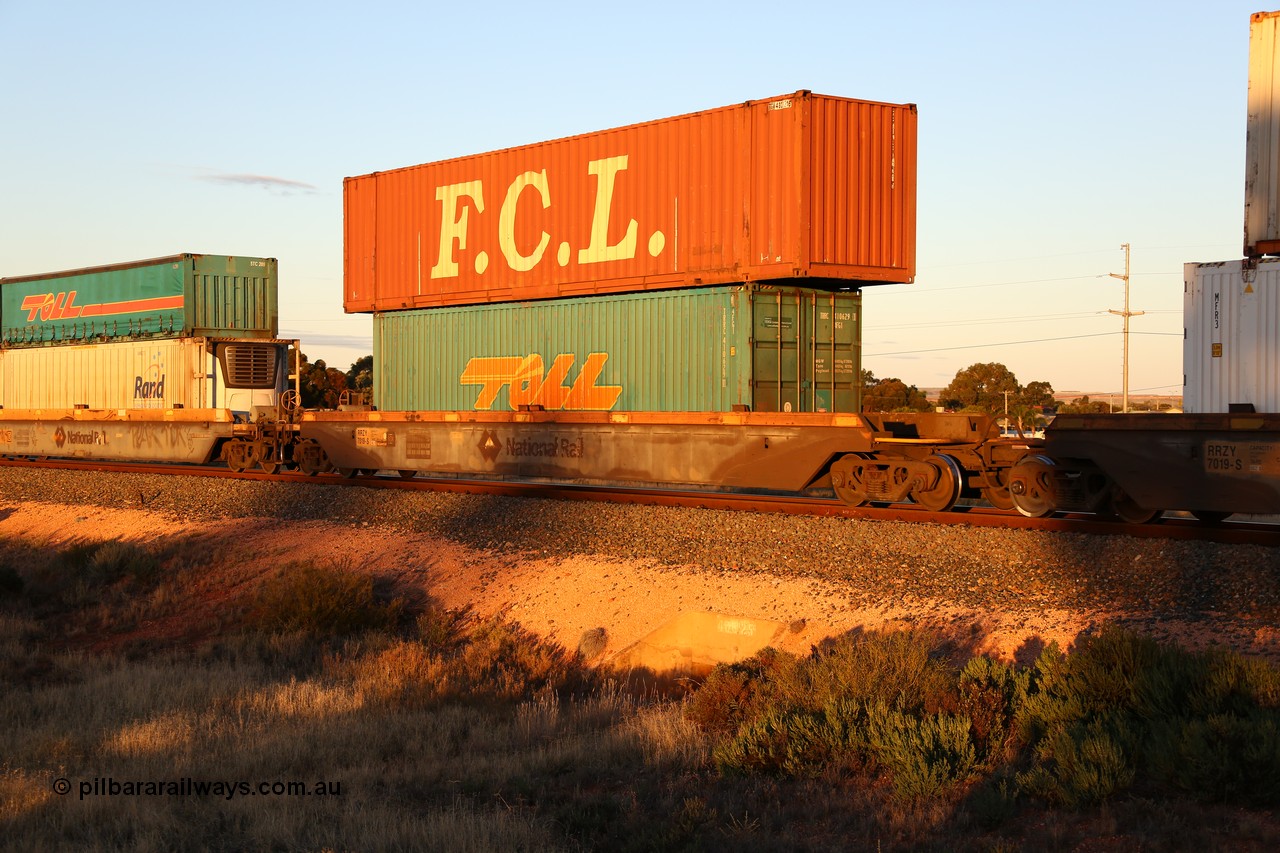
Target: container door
x=833 y=366
x=806 y=351
x=776 y=375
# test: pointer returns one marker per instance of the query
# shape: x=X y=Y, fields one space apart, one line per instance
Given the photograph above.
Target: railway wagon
x=929 y=459
x=1136 y=466
x=799 y=186
x=716 y=255
x=713 y=349
x=244 y=376
x=171 y=359
x=186 y=400
x=180 y=296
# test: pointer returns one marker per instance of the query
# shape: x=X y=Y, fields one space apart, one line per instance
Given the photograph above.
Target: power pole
x=1126 y=314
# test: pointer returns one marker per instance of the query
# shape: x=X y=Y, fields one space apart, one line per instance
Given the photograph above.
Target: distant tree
x=1036 y=394
x=1084 y=406
x=981 y=388
x=894 y=395
x=360 y=376
x=321 y=385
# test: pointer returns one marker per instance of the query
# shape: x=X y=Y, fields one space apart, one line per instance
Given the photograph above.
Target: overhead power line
x=1018 y=343
x=901 y=291
x=983 y=346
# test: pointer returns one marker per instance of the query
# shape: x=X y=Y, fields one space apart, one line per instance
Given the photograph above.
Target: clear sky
x=1049 y=135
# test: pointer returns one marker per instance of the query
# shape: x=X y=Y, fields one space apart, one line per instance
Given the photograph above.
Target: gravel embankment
x=971 y=568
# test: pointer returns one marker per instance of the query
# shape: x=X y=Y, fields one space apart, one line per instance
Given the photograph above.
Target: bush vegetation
x=448 y=731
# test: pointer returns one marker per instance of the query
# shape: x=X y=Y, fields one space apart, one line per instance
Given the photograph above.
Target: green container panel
x=186 y=295
x=705 y=349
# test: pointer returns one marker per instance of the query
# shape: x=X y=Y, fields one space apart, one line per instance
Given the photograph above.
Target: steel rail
x=1227 y=532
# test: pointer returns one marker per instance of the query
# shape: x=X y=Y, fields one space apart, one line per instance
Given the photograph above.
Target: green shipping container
x=215 y=296
x=751 y=347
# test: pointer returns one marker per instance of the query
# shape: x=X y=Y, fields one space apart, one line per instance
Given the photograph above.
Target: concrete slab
x=694 y=642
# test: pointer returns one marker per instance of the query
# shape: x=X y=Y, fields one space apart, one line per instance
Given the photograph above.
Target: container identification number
x=1232 y=457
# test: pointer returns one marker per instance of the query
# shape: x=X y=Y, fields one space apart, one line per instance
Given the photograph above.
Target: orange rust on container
x=800 y=186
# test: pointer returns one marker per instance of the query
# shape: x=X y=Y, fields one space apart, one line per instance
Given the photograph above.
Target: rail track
x=1172 y=526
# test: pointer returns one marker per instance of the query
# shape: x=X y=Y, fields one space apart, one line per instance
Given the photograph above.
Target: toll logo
x=62 y=306
x=531 y=383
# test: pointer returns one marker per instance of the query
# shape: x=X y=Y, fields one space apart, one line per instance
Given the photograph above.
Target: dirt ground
x=558 y=599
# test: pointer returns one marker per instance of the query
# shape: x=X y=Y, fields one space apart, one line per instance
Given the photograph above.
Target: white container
x=190 y=373
x=1231 y=342
x=1262 y=147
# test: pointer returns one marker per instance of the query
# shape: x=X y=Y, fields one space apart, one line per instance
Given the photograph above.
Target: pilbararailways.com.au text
x=107 y=786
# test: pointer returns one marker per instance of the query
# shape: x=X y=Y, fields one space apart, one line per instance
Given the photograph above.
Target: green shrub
x=441 y=629
x=1124 y=706
x=111 y=561
x=926 y=753
x=320 y=601
x=990 y=695
x=902 y=669
x=479 y=663
x=1230 y=683
x=78 y=575
x=786 y=743
x=1225 y=757
x=501 y=660
x=1080 y=765
x=723 y=702
x=1083 y=727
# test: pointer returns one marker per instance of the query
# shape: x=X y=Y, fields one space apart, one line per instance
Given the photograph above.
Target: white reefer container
x=1231 y=341
x=1262 y=146
x=189 y=373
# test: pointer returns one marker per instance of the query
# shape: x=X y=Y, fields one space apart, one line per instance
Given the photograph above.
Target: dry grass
x=432 y=730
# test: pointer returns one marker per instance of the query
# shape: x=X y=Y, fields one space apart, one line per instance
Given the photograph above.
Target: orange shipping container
x=802 y=186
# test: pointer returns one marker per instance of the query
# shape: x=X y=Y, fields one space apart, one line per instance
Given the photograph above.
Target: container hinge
x=1249 y=269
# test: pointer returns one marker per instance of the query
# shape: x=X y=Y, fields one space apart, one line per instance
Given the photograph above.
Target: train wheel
x=998 y=497
x=995 y=488
x=407 y=475
x=269 y=466
x=312 y=465
x=944 y=493
x=347 y=472
x=1126 y=510
x=310 y=458
x=846 y=483
x=236 y=455
x=1031 y=486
